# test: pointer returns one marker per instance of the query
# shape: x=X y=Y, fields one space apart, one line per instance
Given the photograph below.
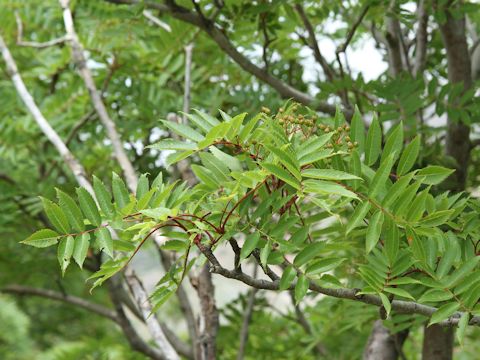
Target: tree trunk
x=382 y=345
x=459 y=71
x=438 y=343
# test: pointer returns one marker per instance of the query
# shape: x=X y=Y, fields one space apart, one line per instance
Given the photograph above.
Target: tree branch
x=156 y=331
x=34 y=44
x=188 y=85
x=218 y=36
x=342 y=48
x=422 y=38
x=69 y=299
x=76 y=168
x=72 y=163
x=247 y=318
x=99 y=106
x=313 y=43
x=404 y=307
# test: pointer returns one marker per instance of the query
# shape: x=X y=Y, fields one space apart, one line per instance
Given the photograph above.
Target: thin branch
x=342 y=48
x=302 y=320
x=313 y=43
x=95 y=96
x=156 y=331
x=76 y=168
x=156 y=21
x=132 y=336
x=188 y=85
x=404 y=307
x=421 y=38
x=247 y=318
x=393 y=42
x=58 y=296
x=203 y=284
x=182 y=296
x=219 y=37
x=34 y=44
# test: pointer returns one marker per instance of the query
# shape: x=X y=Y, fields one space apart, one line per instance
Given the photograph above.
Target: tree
x=352 y=192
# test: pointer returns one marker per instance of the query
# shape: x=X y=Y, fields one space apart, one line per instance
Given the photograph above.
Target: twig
x=80 y=175
x=157 y=21
x=222 y=40
x=422 y=38
x=77 y=169
x=156 y=331
x=34 y=44
x=58 y=296
x=247 y=318
x=313 y=43
x=187 y=86
x=95 y=96
x=353 y=29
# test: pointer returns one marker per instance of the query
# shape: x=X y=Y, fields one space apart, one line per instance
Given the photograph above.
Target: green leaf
x=462 y=327
x=392 y=241
x=386 y=303
x=105 y=241
x=235 y=125
x=313 y=145
x=417 y=208
x=399 y=292
x=299 y=236
x=80 y=249
x=282 y=174
x=301 y=288
x=327 y=188
x=396 y=190
x=309 y=252
x=183 y=130
x=433 y=174
x=120 y=192
x=205 y=176
x=443 y=313
x=199 y=121
x=437 y=218
x=409 y=156
x=287 y=159
x=355 y=168
x=247 y=130
x=373 y=143
x=56 y=216
x=88 y=206
x=104 y=198
x=358 y=216
x=374 y=230
x=435 y=295
x=448 y=258
x=394 y=143
x=64 y=252
x=461 y=272
x=265 y=253
x=381 y=176
x=323 y=265
x=159 y=213
x=357 y=129
x=142 y=186
x=42 y=238
x=288 y=276
x=172 y=144
x=71 y=210
x=250 y=244
x=328 y=174
x=219 y=170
